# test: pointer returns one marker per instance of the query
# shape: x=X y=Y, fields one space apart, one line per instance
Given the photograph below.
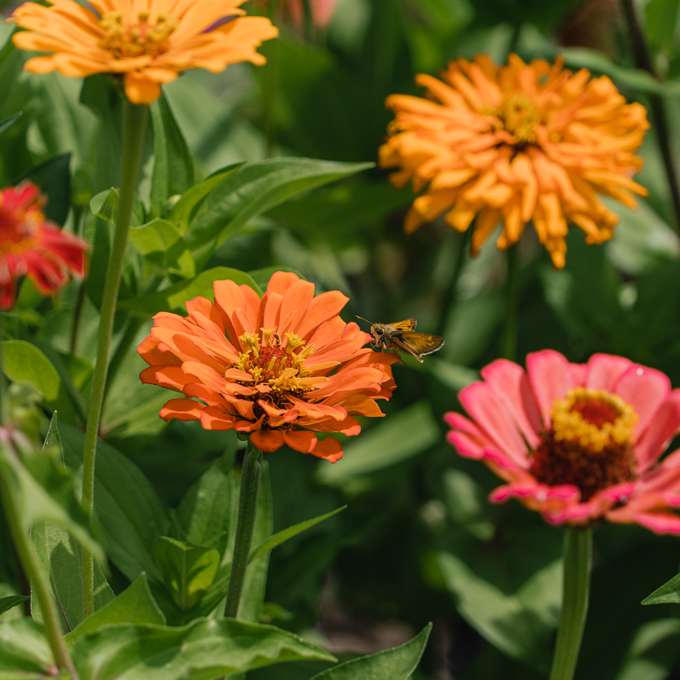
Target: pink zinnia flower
x=576 y=442
x=31 y=246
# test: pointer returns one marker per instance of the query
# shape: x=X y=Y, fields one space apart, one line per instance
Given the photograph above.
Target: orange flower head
x=516 y=143
x=282 y=369
x=31 y=246
x=149 y=42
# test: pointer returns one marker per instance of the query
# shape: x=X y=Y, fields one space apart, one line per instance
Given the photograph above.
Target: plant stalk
x=38 y=580
x=134 y=127
x=511 y=303
x=643 y=60
x=247 y=508
x=577 y=551
x=3 y=380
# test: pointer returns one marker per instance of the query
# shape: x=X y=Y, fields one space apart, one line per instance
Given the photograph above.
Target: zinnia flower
x=150 y=43
x=31 y=246
x=281 y=368
x=577 y=442
x=516 y=143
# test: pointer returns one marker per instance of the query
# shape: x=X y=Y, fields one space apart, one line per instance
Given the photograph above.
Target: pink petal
x=550 y=378
x=511 y=385
x=645 y=390
x=579 y=374
x=604 y=371
x=658 y=522
x=659 y=433
x=489 y=413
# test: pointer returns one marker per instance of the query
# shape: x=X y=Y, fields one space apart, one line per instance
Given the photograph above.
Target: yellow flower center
x=589 y=443
x=142 y=38
x=18 y=229
x=519 y=117
x=280 y=368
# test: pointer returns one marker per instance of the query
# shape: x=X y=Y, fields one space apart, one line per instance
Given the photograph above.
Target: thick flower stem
x=577 y=549
x=134 y=127
x=643 y=61
x=38 y=580
x=511 y=303
x=247 y=507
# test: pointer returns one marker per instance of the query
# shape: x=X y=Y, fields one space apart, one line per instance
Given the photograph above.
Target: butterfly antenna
x=362 y=318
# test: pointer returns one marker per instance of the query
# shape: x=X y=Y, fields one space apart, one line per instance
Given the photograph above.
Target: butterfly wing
x=416 y=344
x=402 y=326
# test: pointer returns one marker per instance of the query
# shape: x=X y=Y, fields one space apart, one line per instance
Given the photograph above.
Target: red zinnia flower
x=577 y=442
x=31 y=246
x=280 y=368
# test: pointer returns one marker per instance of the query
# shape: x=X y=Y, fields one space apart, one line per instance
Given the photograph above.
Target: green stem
x=38 y=580
x=247 y=507
x=134 y=127
x=512 y=303
x=451 y=292
x=643 y=60
x=577 y=549
x=271 y=83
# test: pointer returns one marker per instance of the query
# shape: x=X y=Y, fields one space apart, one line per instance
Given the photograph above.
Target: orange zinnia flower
x=31 y=246
x=280 y=368
x=149 y=42
x=516 y=143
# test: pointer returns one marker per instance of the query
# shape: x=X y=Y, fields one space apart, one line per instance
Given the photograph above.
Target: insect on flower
x=401 y=336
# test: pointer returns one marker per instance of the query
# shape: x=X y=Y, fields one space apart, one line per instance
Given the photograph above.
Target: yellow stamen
x=139 y=39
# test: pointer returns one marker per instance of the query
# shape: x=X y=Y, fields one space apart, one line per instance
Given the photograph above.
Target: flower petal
x=550 y=378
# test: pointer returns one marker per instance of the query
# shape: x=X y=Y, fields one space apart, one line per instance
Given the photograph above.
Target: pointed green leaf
x=183 y=211
x=203 y=649
x=203 y=516
x=286 y=534
x=174 y=297
x=129 y=510
x=187 y=570
x=24 y=651
x=668 y=593
x=8 y=122
x=160 y=242
x=6 y=603
x=173 y=169
x=45 y=493
x=392 y=664
x=254 y=189
x=134 y=605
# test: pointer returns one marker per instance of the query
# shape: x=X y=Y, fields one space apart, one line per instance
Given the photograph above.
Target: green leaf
x=203 y=516
x=203 y=649
x=254 y=189
x=636 y=79
x=187 y=570
x=668 y=593
x=133 y=605
x=161 y=242
x=519 y=623
x=174 y=297
x=129 y=510
x=173 y=169
x=286 y=534
x=399 y=438
x=45 y=493
x=183 y=211
x=653 y=652
x=54 y=179
x=6 y=603
x=392 y=664
x=24 y=651
x=661 y=22
x=8 y=122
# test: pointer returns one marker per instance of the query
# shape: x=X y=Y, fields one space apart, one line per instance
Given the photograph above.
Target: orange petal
x=300 y=440
x=141 y=90
x=182 y=409
x=330 y=449
x=267 y=440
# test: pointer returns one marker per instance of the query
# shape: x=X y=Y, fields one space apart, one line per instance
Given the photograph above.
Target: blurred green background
x=419 y=541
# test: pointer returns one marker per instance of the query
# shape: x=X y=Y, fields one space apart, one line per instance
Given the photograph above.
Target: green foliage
x=392 y=664
x=6 y=603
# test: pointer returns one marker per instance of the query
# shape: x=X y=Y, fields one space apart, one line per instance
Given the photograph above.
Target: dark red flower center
x=589 y=443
